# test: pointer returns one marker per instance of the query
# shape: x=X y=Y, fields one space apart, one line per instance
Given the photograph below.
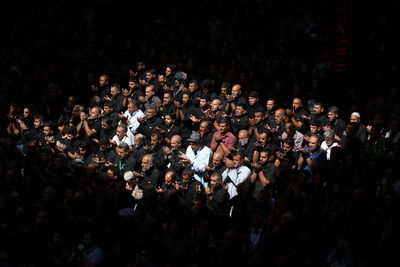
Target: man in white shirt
x=197 y=157
x=235 y=174
x=130 y=118
x=121 y=136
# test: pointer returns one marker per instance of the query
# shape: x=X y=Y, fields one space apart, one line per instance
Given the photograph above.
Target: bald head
x=176 y=141
x=280 y=115
x=217 y=158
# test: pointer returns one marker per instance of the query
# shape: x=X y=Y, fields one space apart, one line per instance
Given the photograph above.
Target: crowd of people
x=208 y=150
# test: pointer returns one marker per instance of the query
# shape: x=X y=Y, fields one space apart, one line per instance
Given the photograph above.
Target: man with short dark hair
x=335 y=123
x=223 y=140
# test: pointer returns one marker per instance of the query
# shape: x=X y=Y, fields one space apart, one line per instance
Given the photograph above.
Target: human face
x=149 y=92
x=203 y=127
x=243 y=138
x=37 y=123
x=217 y=159
x=114 y=91
x=150 y=113
x=137 y=140
x=168 y=71
x=202 y=103
x=313 y=143
x=332 y=116
x=287 y=148
x=279 y=116
x=329 y=141
x=94 y=113
x=167 y=99
x=270 y=105
x=122 y=153
x=27 y=112
x=259 y=117
x=47 y=131
x=214 y=182
x=175 y=144
x=252 y=100
x=107 y=109
x=194 y=145
x=131 y=108
x=264 y=157
x=215 y=105
x=263 y=139
x=296 y=104
x=239 y=111
x=224 y=90
x=70 y=136
x=185 y=99
x=192 y=87
x=186 y=178
x=131 y=85
x=313 y=129
x=237 y=161
x=317 y=109
x=154 y=141
x=149 y=76
x=168 y=120
x=146 y=164
x=168 y=178
x=223 y=127
x=236 y=90
x=103 y=81
x=120 y=132
x=354 y=118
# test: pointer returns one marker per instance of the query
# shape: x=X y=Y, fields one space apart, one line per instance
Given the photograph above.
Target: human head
x=103 y=80
x=205 y=127
x=318 y=108
x=38 y=121
x=280 y=115
x=333 y=113
x=236 y=90
x=123 y=150
x=271 y=104
x=169 y=177
x=115 y=89
x=176 y=142
x=193 y=85
x=187 y=175
x=329 y=136
x=169 y=119
x=240 y=109
x=314 y=142
x=132 y=106
x=253 y=98
x=168 y=98
x=290 y=130
x=108 y=107
x=238 y=159
x=216 y=105
x=151 y=112
x=297 y=103
x=243 y=137
x=259 y=116
x=355 y=117
x=218 y=158
x=149 y=91
x=147 y=162
x=215 y=180
x=48 y=128
x=288 y=145
x=156 y=139
x=121 y=131
x=95 y=112
x=223 y=125
x=150 y=74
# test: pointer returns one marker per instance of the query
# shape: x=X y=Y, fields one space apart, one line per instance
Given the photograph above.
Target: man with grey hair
x=245 y=145
x=329 y=143
x=362 y=130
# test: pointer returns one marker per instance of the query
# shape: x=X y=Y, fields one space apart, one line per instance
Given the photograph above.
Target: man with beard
x=91 y=126
x=217 y=197
x=172 y=152
x=245 y=146
x=149 y=124
x=217 y=165
x=115 y=97
x=184 y=109
x=197 y=157
x=156 y=141
x=291 y=131
x=205 y=133
x=270 y=109
x=149 y=173
x=361 y=134
x=167 y=106
x=335 y=123
x=318 y=115
x=223 y=140
x=263 y=175
x=277 y=127
x=132 y=92
x=187 y=188
x=151 y=99
x=296 y=115
x=169 y=129
x=240 y=120
x=124 y=162
x=257 y=125
x=201 y=111
x=103 y=89
x=235 y=98
x=110 y=114
x=138 y=150
x=254 y=104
